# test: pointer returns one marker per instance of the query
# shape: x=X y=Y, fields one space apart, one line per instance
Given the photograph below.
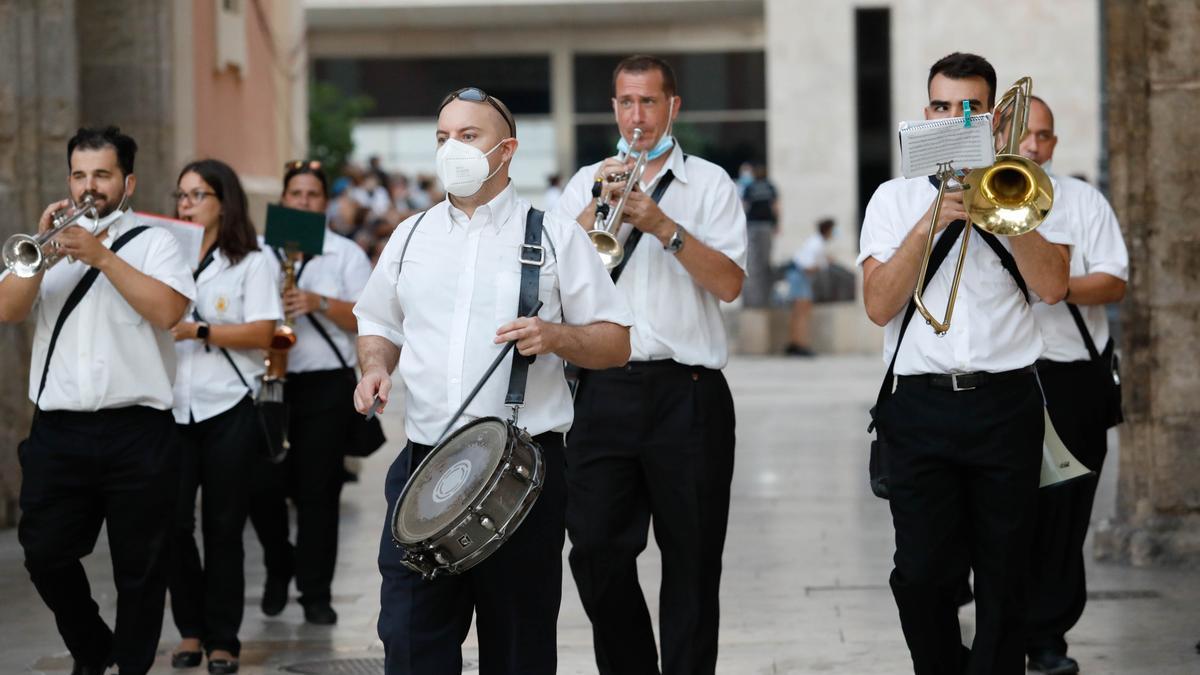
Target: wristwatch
x=202 y=332
x=675 y=243
x=323 y=306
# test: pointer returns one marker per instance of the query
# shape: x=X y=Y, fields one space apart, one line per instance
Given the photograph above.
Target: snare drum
x=467 y=497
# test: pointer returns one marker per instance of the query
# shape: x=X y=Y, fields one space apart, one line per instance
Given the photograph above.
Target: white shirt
x=205 y=384
x=1098 y=248
x=340 y=273
x=811 y=254
x=108 y=355
x=459 y=283
x=674 y=317
x=993 y=328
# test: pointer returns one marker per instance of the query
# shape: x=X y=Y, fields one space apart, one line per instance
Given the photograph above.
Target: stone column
x=39 y=106
x=1153 y=74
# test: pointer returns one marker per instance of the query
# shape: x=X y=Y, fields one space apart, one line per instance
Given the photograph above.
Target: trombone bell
x=1009 y=198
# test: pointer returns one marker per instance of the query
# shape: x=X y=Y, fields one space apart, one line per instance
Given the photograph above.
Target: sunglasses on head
x=297 y=164
x=477 y=95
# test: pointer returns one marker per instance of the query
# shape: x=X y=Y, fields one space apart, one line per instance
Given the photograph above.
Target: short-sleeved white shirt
x=108 y=355
x=675 y=317
x=205 y=384
x=458 y=284
x=993 y=328
x=340 y=272
x=1098 y=248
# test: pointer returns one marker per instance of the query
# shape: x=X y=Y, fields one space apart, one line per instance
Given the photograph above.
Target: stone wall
x=1153 y=76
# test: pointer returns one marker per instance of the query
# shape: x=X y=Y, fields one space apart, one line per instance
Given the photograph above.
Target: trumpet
x=25 y=255
x=603 y=234
x=1009 y=198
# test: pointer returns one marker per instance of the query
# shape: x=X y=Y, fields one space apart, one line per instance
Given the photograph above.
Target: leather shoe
x=222 y=666
x=275 y=595
x=1052 y=663
x=320 y=613
x=186 y=659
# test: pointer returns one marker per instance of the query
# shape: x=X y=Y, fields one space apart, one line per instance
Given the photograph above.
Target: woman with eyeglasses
x=319 y=389
x=219 y=349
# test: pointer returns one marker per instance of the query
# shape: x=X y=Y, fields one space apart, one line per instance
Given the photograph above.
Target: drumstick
x=479 y=385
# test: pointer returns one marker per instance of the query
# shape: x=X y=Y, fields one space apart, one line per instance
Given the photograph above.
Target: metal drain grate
x=369 y=666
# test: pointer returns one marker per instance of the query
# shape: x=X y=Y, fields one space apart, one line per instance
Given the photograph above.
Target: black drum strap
x=533 y=256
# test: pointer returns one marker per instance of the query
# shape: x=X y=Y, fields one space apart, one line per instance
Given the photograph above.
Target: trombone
x=603 y=234
x=1011 y=197
x=25 y=255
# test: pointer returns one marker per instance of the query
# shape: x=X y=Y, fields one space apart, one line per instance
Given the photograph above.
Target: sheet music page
x=927 y=144
x=189 y=235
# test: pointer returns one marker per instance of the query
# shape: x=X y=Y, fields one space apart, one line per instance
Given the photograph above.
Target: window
x=231 y=36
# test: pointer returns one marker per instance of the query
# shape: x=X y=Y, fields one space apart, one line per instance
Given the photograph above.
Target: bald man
x=1076 y=376
x=442 y=320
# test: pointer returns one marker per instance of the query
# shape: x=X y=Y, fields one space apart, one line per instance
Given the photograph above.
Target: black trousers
x=1057 y=589
x=651 y=441
x=215 y=457
x=81 y=470
x=320 y=408
x=964 y=472
x=515 y=593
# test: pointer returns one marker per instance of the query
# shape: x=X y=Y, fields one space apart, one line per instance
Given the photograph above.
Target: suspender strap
x=73 y=300
x=209 y=256
x=940 y=251
x=636 y=236
x=533 y=256
x=1006 y=259
x=1083 y=331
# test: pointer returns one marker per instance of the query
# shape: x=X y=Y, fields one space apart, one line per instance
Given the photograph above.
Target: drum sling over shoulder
x=473 y=490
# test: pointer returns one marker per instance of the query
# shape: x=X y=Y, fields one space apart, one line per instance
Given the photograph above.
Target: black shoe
x=797 y=350
x=222 y=666
x=186 y=659
x=320 y=613
x=1052 y=663
x=275 y=595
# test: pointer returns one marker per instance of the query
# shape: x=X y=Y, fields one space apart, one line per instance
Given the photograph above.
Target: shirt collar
x=496 y=212
x=675 y=165
x=121 y=225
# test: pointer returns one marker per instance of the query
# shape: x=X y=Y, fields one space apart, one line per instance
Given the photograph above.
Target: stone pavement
x=806 y=563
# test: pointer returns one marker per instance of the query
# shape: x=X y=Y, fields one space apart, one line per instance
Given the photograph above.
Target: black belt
x=964 y=381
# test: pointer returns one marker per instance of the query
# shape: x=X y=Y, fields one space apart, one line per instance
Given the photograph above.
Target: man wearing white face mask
x=446 y=290
x=100 y=451
x=654 y=439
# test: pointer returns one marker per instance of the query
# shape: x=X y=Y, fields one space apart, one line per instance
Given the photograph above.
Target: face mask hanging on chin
x=96 y=226
x=664 y=144
x=463 y=169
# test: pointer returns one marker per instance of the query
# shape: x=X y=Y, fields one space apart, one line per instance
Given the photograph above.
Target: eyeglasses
x=195 y=196
x=477 y=95
x=297 y=164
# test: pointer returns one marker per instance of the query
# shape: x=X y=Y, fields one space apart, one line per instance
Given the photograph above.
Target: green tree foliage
x=331 y=118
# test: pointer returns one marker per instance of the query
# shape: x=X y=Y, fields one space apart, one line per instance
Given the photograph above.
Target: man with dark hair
x=654 y=439
x=761 y=202
x=101 y=449
x=962 y=419
x=1076 y=375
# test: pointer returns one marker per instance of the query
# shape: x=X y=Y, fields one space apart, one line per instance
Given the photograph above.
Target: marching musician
x=440 y=307
x=654 y=440
x=219 y=349
x=1077 y=397
x=320 y=382
x=965 y=419
x=101 y=450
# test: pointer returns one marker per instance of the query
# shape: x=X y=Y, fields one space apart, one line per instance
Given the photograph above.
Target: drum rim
x=487 y=488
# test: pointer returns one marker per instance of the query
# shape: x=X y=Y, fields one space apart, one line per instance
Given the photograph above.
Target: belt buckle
x=954 y=383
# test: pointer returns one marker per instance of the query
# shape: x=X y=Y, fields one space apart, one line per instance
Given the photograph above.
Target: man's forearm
x=889 y=286
x=17 y=296
x=1097 y=288
x=713 y=270
x=377 y=353
x=587 y=217
x=596 y=346
x=1045 y=266
x=342 y=314
x=157 y=302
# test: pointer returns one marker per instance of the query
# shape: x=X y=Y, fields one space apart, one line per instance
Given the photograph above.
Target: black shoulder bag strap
x=73 y=300
x=940 y=251
x=636 y=236
x=1083 y=331
x=533 y=256
x=1006 y=259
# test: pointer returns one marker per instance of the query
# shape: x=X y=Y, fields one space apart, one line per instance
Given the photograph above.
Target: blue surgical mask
x=664 y=144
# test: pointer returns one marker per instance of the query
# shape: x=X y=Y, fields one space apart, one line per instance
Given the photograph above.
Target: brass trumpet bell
x=1009 y=198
